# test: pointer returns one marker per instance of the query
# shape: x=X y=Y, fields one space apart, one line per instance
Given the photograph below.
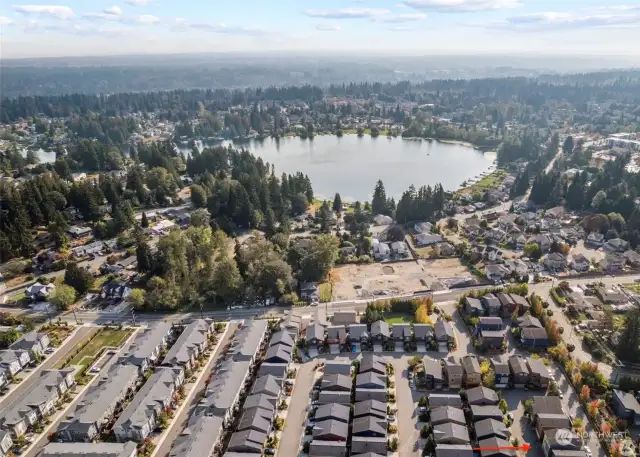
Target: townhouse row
x=512 y=371
x=22 y=353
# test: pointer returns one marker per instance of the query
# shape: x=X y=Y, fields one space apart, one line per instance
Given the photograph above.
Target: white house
x=399 y=248
x=579 y=262
x=381 y=251
x=495 y=272
x=423 y=227
x=14 y=361
x=39 y=291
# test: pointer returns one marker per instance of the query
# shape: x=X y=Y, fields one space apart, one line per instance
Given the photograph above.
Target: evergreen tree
x=144 y=256
x=379 y=203
x=144 y=222
x=78 y=278
x=337 y=204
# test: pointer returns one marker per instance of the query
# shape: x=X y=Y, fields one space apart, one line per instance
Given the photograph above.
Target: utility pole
x=133 y=316
x=74 y=315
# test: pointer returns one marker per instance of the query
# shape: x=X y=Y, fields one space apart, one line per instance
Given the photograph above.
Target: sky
x=391 y=27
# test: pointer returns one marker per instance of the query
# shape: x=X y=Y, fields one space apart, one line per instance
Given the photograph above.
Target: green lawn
x=632 y=287
x=398 y=319
x=325 y=292
x=106 y=338
x=490 y=181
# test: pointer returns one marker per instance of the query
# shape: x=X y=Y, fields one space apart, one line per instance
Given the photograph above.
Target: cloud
x=401 y=28
x=564 y=21
x=616 y=8
x=461 y=6
x=55 y=11
x=231 y=30
x=348 y=13
x=113 y=10
x=400 y=18
x=4 y=20
x=146 y=19
x=137 y=2
x=328 y=27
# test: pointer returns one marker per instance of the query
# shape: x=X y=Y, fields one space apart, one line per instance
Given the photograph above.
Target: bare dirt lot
x=366 y=281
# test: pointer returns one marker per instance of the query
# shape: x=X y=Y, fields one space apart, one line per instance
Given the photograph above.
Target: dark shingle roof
x=482 y=393
x=332 y=410
x=330 y=427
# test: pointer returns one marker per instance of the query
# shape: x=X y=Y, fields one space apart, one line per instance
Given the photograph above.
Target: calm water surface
x=351 y=165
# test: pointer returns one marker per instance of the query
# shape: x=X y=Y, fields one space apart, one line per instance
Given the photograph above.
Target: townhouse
x=626 y=406
x=519 y=370
x=372 y=363
x=190 y=344
x=500 y=365
x=424 y=335
x=148 y=345
x=489 y=428
x=35 y=343
x=472 y=376
x=314 y=338
x=14 y=361
x=453 y=373
x=437 y=400
x=97 y=406
x=444 y=335
x=128 y=449
x=140 y=418
x=5 y=443
x=446 y=414
x=547 y=414
x=539 y=374
x=401 y=334
x=37 y=402
x=482 y=396
x=374 y=408
x=433 y=373
x=380 y=335
x=336 y=338
x=358 y=337
x=201 y=437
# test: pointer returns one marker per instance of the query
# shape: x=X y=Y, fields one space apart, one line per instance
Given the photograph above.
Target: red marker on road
x=523 y=447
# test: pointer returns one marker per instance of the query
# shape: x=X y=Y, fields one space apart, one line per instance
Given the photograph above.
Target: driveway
x=16 y=394
x=406 y=404
x=297 y=412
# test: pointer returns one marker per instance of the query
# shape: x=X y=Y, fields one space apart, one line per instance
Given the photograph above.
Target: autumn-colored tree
x=585 y=393
x=577 y=379
x=421 y=315
x=615 y=449
x=578 y=425
x=592 y=408
x=560 y=353
x=605 y=428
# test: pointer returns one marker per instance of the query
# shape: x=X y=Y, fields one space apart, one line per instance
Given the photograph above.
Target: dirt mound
x=388 y=270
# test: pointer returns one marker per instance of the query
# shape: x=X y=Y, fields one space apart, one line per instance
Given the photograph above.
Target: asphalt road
x=17 y=393
x=297 y=413
x=406 y=404
x=180 y=422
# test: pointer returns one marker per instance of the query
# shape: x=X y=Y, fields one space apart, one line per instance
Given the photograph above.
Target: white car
x=561 y=395
x=587 y=451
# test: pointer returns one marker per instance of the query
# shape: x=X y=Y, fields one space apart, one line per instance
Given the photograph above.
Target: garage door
x=334 y=348
x=443 y=347
x=355 y=347
x=399 y=346
x=422 y=347
x=377 y=347
x=313 y=352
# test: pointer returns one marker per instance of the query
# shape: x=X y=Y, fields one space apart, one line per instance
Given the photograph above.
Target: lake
x=351 y=165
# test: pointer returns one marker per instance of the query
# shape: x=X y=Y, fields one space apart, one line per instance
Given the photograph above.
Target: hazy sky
x=99 y=27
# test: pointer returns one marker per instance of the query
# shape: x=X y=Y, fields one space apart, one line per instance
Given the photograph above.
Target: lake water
x=351 y=165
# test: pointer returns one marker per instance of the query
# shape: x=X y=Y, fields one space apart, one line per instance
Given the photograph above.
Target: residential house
x=611 y=296
x=489 y=323
x=437 y=400
x=535 y=337
x=372 y=363
x=314 y=338
x=492 y=339
x=446 y=249
x=560 y=440
x=336 y=383
x=338 y=366
x=496 y=447
x=4 y=379
x=473 y=307
x=373 y=408
x=345 y=317
x=279 y=353
x=580 y=263
x=330 y=430
x=616 y=245
x=381 y=251
x=519 y=370
x=547 y=414
x=446 y=414
x=401 y=334
x=555 y=262
x=380 y=334
x=332 y=411
x=500 y=365
x=140 y=418
x=34 y=343
x=488 y=428
x=321 y=448
x=595 y=239
x=480 y=412
x=310 y=291
x=399 y=249
x=633 y=258
x=423 y=335
x=491 y=304
x=38 y=291
x=492 y=254
x=148 y=344
x=544 y=241
x=423 y=227
x=472 y=376
x=336 y=338
x=453 y=450
x=371 y=381
x=115 y=291
x=433 y=373
x=224 y=391
x=128 y=449
x=528 y=321
x=508 y=305
x=190 y=344
x=358 y=336
x=522 y=305
x=78 y=231
x=87 y=418
x=626 y=406
x=613 y=262
x=247 y=442
x=538 y=373
x=453 y=373
x=444 y=334
x=14 y=361
x=6 y=443
x=482 y=396
x=423 y=239
x=368 y=447
x=257 y=418
x=267 y=385
x=450 y=433
x=369 y=427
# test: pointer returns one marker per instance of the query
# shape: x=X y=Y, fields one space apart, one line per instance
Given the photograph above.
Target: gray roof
x=223 y=389
x=490 y=320
x=192 y=338
x=490 y=301
x=150 y=399
x=281 y=337
x=248 y=340
x=335 y=397
x=255 y=419
x=454 y=450
x=470 y=364
x=279 y=353
x=315 y=331
x=250 y=439
x=357 y=331
x=263 y=401
x=482 y=393
x=333 y=410
x=380 y=328
x=432 y=367
x=491 y=427
x=277 y=370
x=337 y=366
x=536 y=366
x=437 y=400
x=533 y=333
x=266 y=385
x=101 y=397
x=330 y=427
x=474 y=303
x=447 y=414
x=529 y=321
x=363 y=408
x=492 y=443
x=147 y=341
x=500 y=365
x=369 y=424
x=198 y=438
x=337 y=382
x=336 y=332
x=562 y=437
x=627 y=400
x=28 y=341
x=372 y=362
x=38 y=393
x=518 y=364
x=486 y=411
x=371 y=378
x=452 y=366
x=321 y=448
x=547 y=405
x=9 y=355
x=448 y=431
x=421 y=331
x=401 y=330
x=443 y=329
x=89 y=450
